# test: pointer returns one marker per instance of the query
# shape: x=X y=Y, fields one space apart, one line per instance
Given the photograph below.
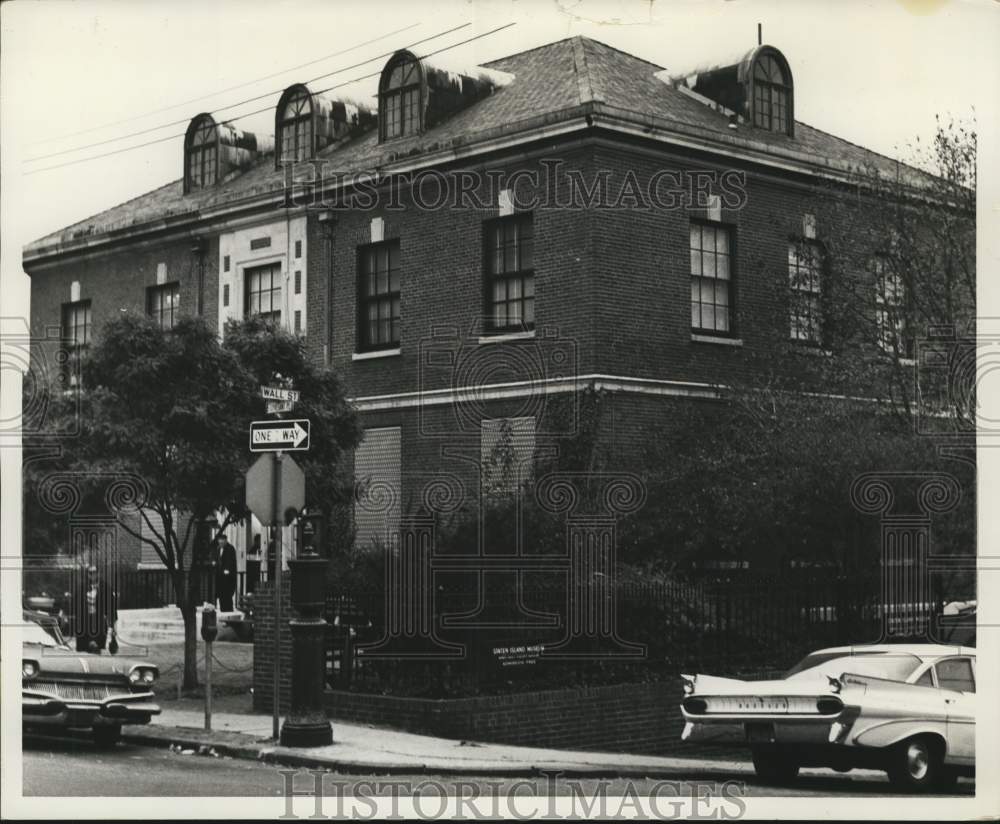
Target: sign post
x=276 y=537
x=273 y=486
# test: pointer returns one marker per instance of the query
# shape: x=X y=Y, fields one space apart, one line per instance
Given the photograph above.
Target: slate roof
x=551 y=82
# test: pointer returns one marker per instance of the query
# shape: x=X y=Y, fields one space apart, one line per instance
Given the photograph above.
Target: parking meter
x=209 y=632
x=209 y=625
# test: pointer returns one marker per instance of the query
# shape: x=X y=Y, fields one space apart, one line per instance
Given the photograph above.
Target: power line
x=257 y=111
x=234 y=105
x=221 y=91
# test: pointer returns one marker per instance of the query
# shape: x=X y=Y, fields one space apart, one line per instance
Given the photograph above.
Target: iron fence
x=727 y=624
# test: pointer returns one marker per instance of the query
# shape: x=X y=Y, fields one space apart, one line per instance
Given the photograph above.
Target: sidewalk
x=362 y=749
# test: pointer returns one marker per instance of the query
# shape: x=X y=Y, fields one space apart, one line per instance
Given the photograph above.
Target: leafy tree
x=174 y=407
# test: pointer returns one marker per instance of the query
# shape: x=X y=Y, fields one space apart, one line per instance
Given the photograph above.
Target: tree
x=174 y=407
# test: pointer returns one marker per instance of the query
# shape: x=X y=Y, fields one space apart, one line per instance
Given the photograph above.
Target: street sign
x=260 y=489
x=279 y=406
x=279 y=436
x=278 y=393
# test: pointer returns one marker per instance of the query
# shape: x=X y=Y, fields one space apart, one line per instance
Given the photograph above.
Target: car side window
x=956 y=674
x=925 y=680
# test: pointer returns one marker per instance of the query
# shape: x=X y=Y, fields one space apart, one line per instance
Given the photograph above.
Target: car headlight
x=29 y=669
x=134 y=676
x=148 y=676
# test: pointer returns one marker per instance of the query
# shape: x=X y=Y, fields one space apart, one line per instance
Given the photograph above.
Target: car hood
x=61 y=661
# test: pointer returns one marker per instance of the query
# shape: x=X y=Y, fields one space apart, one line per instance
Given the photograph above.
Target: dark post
x=307 y=724
x=276 y=538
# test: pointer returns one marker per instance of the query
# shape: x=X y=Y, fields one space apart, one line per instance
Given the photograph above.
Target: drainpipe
x=328 y=221
x=198 y=246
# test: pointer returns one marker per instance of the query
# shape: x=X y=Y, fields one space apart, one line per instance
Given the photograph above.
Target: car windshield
x=33 y=633
x=893 y=666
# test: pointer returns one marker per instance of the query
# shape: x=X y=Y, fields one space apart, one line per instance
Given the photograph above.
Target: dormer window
x=772 y=94
x=201 y=150
x=399 y=97
x=295 y=125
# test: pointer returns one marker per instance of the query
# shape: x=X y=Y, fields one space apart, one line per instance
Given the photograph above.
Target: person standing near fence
x=95 y=612
x=225 y=580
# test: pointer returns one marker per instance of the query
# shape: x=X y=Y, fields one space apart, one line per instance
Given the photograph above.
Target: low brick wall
x=635 y=718
x=263 y=648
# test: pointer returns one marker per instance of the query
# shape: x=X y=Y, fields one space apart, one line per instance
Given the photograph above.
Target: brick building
x=485 y=242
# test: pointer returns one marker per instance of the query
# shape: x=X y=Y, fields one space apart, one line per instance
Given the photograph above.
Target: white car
x=908 y=709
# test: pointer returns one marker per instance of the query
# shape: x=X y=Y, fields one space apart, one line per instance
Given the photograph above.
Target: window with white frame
x=510 y=274
x=711 y=278
x=890 y=308
x=76 y=334
x=263 y=292
x=163 y=303
x=805 y=272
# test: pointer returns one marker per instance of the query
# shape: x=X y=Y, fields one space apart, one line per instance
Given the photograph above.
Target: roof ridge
x=584 y=81
x=528 y=51
x=608 y=46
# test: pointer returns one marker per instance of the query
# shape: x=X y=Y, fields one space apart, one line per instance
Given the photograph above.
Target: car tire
x=915 y=765
x=774 y=765
x=107 y=736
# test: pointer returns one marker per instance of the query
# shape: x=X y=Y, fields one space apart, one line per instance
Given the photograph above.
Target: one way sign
x=279 y=436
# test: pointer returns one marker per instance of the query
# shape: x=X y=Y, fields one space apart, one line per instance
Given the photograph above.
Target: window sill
x=699 y=338
x=378 y=353
x=503 y=338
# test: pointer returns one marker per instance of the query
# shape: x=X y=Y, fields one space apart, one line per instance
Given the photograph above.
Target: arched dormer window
x=294 y=127
x=400 y=90
x=772 y=92
x=201 y=153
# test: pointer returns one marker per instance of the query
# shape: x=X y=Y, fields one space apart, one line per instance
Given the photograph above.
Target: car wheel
x=774 y=765
x=915 y=765
x=107 y=736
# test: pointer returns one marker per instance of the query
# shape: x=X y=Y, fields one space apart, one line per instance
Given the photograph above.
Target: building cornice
x=585 y=118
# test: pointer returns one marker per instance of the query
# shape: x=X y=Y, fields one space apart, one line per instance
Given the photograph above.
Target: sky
x=76 y=73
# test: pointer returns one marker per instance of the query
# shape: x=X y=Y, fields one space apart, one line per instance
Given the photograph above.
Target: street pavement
x=67 y=767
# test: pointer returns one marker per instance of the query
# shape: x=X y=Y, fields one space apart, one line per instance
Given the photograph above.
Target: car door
x=956 y=678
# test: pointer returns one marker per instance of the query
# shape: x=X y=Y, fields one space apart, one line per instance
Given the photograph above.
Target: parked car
x=908 y=709
x=62 y=688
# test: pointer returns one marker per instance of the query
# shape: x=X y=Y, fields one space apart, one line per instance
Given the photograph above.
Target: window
x=711 y=278
x=298 y=321
x=296 y=126
x=805 y=266
x=507 y=451
x=162 y=303
x=298 y=248
x=75 y=339
x=377 y=486
x=925 y=680
x=890 y=308
x=378 y=296
x=202 y=143
x=399 y=97
x=956 y=674
x=298 y=281
x=772 y=95
x=225 y=295
x=510 y=274
x=263 y=292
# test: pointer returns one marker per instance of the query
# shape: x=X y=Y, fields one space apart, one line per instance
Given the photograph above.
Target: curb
x=249 y=747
